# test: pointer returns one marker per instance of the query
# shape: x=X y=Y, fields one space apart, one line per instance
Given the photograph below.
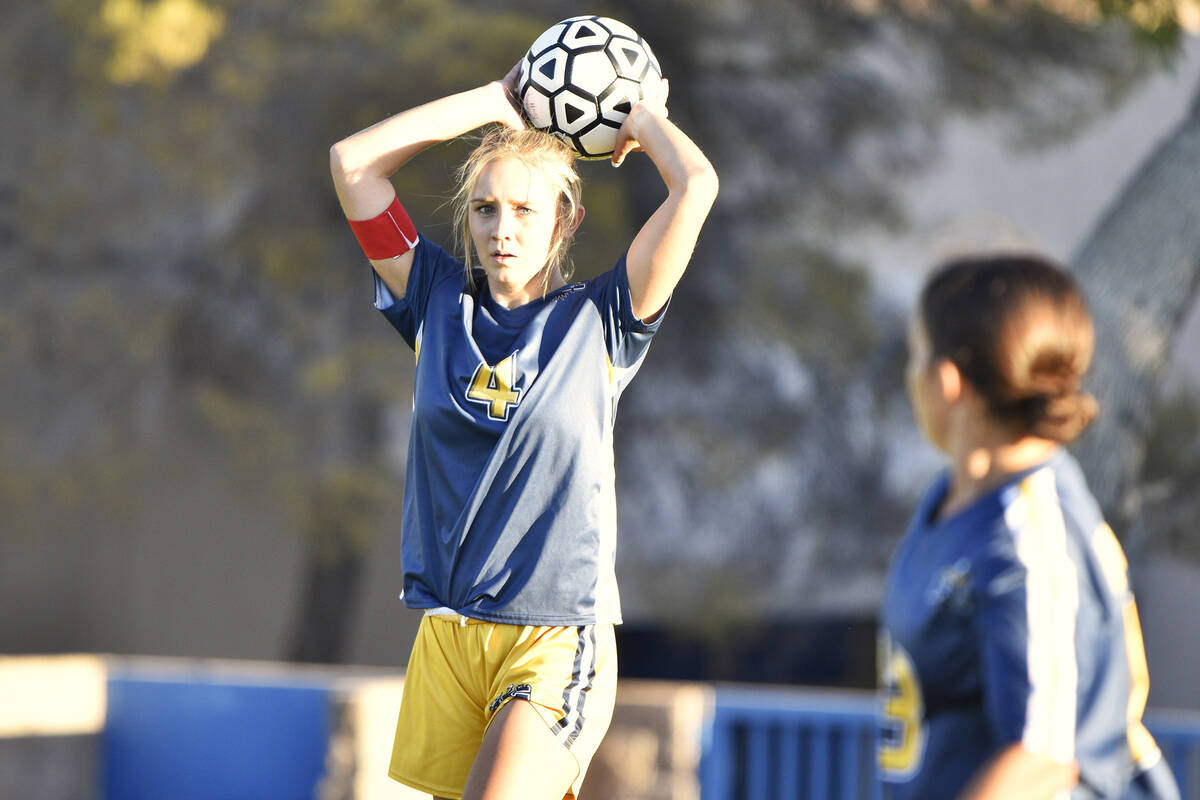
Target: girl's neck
x=980 y=465
x=541 y=285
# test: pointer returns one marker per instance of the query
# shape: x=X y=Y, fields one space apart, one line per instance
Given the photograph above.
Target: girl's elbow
x=702 y=178
x=704 y=183
x=337 y=160
x=341 y=165
x=712 y=183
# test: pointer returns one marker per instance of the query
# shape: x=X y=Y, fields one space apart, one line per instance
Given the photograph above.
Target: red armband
x=388 y=235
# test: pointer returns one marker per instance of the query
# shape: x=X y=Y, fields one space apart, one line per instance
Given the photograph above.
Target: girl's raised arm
x=362 y=164
x=662 y=248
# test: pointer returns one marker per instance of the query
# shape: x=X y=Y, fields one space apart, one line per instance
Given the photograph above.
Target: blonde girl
x=509 y=526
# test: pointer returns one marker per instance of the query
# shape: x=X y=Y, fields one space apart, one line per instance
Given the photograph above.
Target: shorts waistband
x=443 y=611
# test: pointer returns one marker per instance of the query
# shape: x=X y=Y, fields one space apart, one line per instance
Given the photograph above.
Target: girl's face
x=925 y=392
x=511 y=214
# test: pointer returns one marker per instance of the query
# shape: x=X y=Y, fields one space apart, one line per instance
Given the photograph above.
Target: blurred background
x=203 y=421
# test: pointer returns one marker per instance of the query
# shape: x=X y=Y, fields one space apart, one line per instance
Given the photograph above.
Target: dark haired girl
x=1011 y=658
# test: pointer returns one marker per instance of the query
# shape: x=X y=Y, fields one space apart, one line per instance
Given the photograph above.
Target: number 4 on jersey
x=493 y=386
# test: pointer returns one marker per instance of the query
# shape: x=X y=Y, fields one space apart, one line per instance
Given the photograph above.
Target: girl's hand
x=627 y=137
x=511 y=115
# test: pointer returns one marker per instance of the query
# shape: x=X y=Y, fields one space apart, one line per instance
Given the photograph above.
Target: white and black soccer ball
x=582 y=76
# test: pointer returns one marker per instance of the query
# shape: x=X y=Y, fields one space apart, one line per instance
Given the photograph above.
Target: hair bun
x=1054 y=369
x=1062 y=417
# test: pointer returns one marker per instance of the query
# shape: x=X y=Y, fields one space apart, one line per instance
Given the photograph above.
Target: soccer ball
x=580 y=79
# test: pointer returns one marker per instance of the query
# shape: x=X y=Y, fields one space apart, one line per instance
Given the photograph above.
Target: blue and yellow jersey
x=1012 y=621
x=509 y=496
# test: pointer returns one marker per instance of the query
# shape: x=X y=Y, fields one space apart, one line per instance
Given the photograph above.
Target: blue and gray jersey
x=1012 y=621
x=509 y=499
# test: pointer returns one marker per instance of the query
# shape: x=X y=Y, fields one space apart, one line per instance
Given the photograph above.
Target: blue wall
x=203 y=739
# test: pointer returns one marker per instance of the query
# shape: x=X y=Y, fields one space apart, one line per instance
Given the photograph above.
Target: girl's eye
x=484 y=209
x=524 y=211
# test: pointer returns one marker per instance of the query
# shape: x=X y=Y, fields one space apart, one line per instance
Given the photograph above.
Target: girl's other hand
x=655 y=105
x=512 y=116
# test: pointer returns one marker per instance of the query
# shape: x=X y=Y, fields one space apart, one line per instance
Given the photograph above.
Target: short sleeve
x=432 y=268
x=626 y=337
x=1027 y=604
x=1002 y=631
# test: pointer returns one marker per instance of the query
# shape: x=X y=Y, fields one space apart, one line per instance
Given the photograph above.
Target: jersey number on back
x=493 y=387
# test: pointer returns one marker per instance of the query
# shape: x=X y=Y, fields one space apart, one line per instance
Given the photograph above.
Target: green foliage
x=1159 y=21
x=63 y=499
x=818 y=306
x=177 y=271
x=344 y=507
x=182 y=292
x=259 y=441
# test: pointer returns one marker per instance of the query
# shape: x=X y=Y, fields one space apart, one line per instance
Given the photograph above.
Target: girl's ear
x=950 y=381
x=575 y=223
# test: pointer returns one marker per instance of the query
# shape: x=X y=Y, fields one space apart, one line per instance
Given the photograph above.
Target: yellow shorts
x=460 y=675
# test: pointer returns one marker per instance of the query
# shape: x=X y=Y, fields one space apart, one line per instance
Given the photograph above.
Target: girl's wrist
x=502 y=98
x=643 y=115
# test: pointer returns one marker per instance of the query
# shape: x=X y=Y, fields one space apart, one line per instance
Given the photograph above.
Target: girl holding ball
x=509 y=525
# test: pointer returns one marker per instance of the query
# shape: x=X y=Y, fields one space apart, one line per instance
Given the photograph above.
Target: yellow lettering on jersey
x=903 y=710
x=493 y=386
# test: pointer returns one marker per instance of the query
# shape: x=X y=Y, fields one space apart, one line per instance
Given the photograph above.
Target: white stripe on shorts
x=584 y=672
